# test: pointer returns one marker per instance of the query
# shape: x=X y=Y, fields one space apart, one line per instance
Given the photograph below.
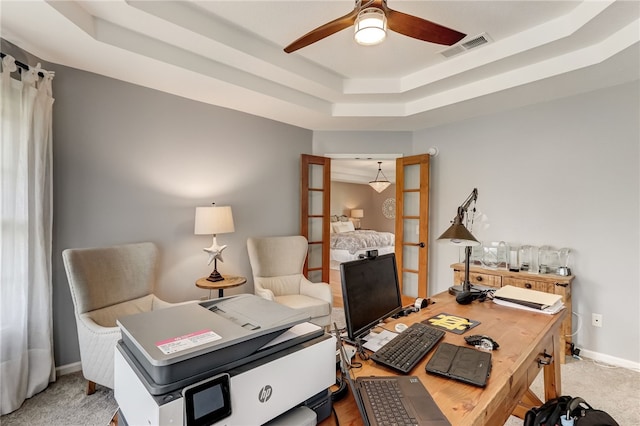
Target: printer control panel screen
x=208 y=401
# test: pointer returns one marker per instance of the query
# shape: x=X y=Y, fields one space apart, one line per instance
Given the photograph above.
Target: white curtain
x=26 y=344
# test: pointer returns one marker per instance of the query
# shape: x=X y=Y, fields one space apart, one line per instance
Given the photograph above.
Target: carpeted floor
x=64 y=402
x=611 y=389
x=614 y=390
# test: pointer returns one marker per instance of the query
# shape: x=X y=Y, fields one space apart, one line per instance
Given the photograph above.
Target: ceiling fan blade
x=323 y=31
x=419 y=28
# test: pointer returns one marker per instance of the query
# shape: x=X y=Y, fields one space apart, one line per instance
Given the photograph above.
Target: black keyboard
x=385 y=399
x=404 y=351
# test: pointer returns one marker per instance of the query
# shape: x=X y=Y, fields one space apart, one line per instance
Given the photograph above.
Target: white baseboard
x=610 y=360
x=68 y=368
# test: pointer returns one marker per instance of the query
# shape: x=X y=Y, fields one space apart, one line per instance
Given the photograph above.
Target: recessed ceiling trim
x=539 y=35
x=287 y=69
x=572 y=61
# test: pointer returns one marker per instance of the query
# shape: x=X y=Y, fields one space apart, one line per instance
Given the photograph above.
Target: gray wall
x=562 y=173
x=131 y=164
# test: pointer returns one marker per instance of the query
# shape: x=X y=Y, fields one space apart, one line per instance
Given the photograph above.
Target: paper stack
x=530 y=300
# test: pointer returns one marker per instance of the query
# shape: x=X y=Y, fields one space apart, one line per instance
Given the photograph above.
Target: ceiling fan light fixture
x=370 y=27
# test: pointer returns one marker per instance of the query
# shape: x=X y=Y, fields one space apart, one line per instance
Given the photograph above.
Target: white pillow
x=344 y=227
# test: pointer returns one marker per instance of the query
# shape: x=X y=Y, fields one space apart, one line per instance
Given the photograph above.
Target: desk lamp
x=214 y=220
x=458 y=234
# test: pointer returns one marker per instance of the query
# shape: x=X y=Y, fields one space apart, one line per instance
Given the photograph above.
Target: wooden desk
x=523 y=336
x=228 y=282
x=548 y=283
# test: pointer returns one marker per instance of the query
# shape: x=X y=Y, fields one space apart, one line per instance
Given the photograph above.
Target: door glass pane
x=315 y=203
x=411 y=204
x=410 y=257
x=411 y=230
x=315 y=256
x=316 y=172
x=410 y=284
x=412 y=176
x=315 y=229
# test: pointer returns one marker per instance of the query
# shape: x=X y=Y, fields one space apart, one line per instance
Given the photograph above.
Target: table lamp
x=214 y=220
x=459 y=235
x=357 y=214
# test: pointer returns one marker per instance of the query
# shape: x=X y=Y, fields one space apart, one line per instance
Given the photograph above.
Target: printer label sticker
x=188 y=341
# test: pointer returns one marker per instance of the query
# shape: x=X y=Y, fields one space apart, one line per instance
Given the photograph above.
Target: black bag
x=585 y=415
x=548 y=414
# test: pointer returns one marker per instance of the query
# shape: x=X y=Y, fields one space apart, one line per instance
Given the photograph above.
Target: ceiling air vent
x=467 y=45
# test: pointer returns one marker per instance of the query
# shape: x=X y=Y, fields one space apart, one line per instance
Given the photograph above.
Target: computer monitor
x=370 y=293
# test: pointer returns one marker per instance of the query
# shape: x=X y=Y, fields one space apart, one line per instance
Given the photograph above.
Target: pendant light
x=380 y=184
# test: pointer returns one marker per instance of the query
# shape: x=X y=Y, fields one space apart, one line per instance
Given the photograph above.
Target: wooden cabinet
x=548 y=283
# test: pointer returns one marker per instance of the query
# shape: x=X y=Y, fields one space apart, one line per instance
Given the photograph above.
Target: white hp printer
x=238 y=360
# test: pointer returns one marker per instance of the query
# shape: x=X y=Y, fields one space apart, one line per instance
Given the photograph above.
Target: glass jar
x=503 y=255
x=514 y=258
x=549 y=260
x=563 y=258
x=534 y=266
x=525 y=258
x=490 y=254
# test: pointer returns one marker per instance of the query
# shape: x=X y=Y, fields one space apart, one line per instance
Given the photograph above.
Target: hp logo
x=265 y=393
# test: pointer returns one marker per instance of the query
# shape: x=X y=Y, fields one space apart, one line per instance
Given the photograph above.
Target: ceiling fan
x=375 y=17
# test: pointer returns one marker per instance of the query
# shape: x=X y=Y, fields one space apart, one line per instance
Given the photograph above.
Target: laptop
x=414 y=401
x=461 y=363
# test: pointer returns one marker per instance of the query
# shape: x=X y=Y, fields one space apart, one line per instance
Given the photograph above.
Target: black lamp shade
x=458 y=235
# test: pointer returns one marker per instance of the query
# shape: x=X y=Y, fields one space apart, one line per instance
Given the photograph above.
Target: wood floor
x=336 y=287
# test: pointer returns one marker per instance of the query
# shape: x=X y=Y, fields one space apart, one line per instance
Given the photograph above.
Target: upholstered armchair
x=277 y=264
x=108 y=283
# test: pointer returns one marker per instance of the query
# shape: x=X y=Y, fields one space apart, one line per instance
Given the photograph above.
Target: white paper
x=549 y=311
x=378 y=340
x=527 y=295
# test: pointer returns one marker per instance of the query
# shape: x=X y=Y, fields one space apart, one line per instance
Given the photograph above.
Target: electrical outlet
x=596 y=320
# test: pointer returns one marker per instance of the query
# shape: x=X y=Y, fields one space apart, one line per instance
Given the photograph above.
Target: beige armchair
x=108 y=283
x=277 y=264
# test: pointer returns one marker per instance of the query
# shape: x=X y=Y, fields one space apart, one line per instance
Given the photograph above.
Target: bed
x=347 y=243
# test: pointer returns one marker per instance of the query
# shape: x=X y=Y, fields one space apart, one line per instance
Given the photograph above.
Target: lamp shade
x=379 y=185
x=213 y=220
x=357 y=213
x=458 y=235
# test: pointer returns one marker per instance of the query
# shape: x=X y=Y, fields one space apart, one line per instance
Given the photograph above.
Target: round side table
x=228 y=282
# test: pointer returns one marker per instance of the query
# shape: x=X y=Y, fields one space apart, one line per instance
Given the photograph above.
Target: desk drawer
x=529 y=283
x=477 y=278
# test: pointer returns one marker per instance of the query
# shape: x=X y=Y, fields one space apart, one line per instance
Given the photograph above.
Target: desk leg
x=552 y=378
x=552 y=383
x=220 y=292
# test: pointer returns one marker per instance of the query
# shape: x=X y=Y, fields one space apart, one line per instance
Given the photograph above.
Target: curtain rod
x=20 y=64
